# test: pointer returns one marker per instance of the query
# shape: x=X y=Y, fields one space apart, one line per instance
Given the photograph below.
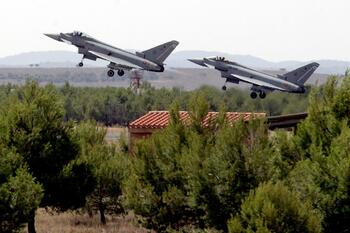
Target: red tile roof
x=160 y=119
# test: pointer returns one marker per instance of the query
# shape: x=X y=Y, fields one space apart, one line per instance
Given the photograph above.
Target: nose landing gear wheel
x=81 y=64
x=253 y=95
x=120 y=72
x=224 y=88
x=110 y=73
x=262 y=95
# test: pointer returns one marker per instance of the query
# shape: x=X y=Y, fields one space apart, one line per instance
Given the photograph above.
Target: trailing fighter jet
x=120 y=60
x=262 y=83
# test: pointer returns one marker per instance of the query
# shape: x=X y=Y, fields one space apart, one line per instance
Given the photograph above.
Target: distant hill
x=64 y=59
x=49 y=59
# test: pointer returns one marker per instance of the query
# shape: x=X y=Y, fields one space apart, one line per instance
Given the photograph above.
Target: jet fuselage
x=88 y=45
x=231 y=68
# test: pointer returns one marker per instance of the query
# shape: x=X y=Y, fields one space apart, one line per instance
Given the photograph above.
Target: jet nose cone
x=55 y=37
x=198 y=62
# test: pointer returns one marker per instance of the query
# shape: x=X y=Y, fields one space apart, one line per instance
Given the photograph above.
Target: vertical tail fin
x=160 y=53
x=301 y=75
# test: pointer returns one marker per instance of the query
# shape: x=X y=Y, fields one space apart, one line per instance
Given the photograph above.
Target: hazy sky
x=271 y=29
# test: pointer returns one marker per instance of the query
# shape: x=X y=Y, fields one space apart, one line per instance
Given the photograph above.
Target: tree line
x=119 y=106
x=186 y=178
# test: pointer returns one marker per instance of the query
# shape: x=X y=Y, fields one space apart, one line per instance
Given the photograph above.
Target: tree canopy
x=189 y=177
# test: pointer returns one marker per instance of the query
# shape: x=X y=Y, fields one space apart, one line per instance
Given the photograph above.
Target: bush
x=32 y=125
x=274 y=208
x=20 y=194
x=109 y=169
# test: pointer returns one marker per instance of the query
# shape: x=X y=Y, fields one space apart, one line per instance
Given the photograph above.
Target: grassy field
x=75 y=223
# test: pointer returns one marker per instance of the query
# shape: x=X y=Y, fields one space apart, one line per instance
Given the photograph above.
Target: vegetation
x=109 y=168
x=188 y=175
x=198 y=176
x=32 y=125
x=186 y=178
x=274 y=208
x=119 y=106
x=20 y=194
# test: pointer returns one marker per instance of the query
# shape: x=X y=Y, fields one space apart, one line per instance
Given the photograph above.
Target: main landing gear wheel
x=110 y=73
x=121 y=72
x=262 y=95
x=253 y=95
x=81 y=64
x=224 y=88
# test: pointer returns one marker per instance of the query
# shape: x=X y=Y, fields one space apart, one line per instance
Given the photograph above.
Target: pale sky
x=270 y=29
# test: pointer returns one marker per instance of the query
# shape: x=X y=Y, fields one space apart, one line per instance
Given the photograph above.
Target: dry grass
x=75 y=223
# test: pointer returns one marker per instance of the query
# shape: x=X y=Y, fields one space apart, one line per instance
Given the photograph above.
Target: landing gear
x=262 y=95
x=253 y=95
x=110 y=73
x=224 y=88
x=121 y=72
x=81 y=64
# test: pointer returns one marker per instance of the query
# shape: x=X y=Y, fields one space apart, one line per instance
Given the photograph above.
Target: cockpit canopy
x=80 y=34
x=217 y=58
x=223 y=60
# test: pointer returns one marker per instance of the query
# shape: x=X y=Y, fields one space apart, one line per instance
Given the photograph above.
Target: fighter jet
x=262 y=83
x=120 y=60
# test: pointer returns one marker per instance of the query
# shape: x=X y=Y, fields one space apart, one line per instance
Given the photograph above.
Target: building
x=287 y=122
x=146 y=125
x=153 y=121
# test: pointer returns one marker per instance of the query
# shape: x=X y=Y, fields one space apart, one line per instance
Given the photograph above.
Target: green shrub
x=274 y=208
x=20 y=194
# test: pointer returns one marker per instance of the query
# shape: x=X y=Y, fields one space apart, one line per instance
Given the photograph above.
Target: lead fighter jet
x=262 y=83
x=120 y=60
